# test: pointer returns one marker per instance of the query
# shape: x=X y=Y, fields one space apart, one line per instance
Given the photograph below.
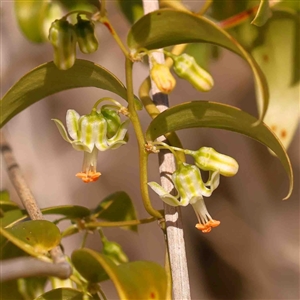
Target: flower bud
x=86 y=38
x=209 y=159
x=163 y=78
x=114 y=251
x=113 y=122
x=186 y=67
x=63 y=39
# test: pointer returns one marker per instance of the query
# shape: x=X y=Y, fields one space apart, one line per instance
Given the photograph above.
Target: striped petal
x=118 y=138
x=72 y=119
x=100 y=132
x=164 y=195
x=62 y=130
x=86 y=132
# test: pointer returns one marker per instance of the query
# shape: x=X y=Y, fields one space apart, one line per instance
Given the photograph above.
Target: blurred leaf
x=30 y=288
x=5 y=203
x=9 y=291
x=117 y=207
x=132 y=9
x=263 y=13
x=114 y=251
x=279 y=57
x=215 y=115
x=89 y=267
x=12 y=216
x=33 y=237
x=63 y=294
x=35 y=17
x=160 y=29
x=221 y=10
x=134 y=280
x=89 y=5
x=294 y=5
x=47 y=80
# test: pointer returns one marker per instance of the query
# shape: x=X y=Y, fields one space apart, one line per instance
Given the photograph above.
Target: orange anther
x=88 y=177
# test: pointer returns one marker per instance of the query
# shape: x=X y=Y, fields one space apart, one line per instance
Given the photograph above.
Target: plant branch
x=28 y=200
x=174 y=230
x=23 y=267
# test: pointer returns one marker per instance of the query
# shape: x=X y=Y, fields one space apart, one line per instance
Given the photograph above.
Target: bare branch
x=175 y=235
x=27 y=198
x=23 y=267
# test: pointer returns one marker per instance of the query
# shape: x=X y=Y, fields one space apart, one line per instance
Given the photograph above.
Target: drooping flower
x=89 y=133
x=191 y=189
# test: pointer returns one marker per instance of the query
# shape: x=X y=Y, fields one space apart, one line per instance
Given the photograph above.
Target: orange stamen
x=205 y=228
x=88 y=177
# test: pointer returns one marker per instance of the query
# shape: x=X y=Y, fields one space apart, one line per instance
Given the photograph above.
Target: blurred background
x=254 y=254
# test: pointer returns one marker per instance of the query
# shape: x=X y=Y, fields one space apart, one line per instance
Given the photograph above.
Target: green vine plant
x=31 y=247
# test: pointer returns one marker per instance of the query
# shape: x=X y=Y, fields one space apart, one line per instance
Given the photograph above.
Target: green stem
x=103 y=8
x=205 y=7
x=143 y=155
x=106 y=99
x=93 y=225
x=80 y=12
x=84 y=239
x=105 y=21
x=102 y=294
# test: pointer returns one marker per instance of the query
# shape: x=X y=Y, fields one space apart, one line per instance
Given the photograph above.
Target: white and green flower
x=89 y=133
x=191 y=189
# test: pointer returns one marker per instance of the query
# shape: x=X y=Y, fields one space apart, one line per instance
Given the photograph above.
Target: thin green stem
x=102 y=293
x=204 y=8
x=93 y=225
x=103 y=8
x=106 y=99
x=80 y=12
x=84 y=239
x=143 y=155
x=105 y=21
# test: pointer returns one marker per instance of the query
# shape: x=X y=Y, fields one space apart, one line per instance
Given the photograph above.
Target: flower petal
x=62 y=130
x=118 y=138
x=164 y=195
x=86 y=132
x=72 y=123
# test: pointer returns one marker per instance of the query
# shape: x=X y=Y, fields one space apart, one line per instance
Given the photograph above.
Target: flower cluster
x=188 y=182
x=97 y=131
x=64 y=36
x=186 y=67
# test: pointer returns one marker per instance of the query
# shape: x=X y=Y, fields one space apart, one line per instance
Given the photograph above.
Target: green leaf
x=63 y=294
x=134 y=280
x=279 y=58
x=132 y=9
x=69 y=211
x=263 y=13
x=161 y=29
x=9 y=291
x=47 y=80
x=5 y=203
x=117 y=207
x=215 y=115
x=33 y=237
x=12 y=216
x=35 y=17
x=32 y=287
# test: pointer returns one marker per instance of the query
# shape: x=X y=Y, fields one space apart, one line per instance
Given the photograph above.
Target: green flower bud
x=186 y=67
x=163 y=78
x=87 y=40
x=114 y=251
x=113 y=122
x=209 y=159
x=63 y=39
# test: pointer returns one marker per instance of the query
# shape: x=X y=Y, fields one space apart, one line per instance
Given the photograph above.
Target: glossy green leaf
x=134 y=280
x=215 y=115
x=46 y=80
x=279 y=58
x=12 y=216
x=161 y=29
x=35 y=17
x=117 y=207
x=5 y=203
x=69 y=211
x=132 y=9
x=33 y=237
x=64 y=294
x=263 y=13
